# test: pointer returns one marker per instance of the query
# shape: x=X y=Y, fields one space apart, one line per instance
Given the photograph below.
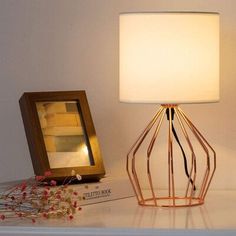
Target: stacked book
x=107 y=189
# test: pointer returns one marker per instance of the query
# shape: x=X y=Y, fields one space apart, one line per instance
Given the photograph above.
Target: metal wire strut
x=198 y=175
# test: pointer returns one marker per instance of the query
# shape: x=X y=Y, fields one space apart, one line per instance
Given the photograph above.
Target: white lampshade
x=169 y=57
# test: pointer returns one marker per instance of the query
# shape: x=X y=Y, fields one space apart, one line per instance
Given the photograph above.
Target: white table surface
x=124 y=217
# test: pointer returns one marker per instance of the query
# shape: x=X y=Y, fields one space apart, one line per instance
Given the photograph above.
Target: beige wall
x=73 y=45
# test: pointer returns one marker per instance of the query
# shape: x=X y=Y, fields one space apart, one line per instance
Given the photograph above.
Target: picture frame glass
x=63 y=132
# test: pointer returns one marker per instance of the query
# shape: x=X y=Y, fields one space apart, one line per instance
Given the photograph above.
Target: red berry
x=23 y=186
x=47 y=173
x=39 y=178
x=20 y=214
x=53 y=183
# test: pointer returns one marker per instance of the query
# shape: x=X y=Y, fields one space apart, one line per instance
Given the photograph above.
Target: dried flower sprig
x=38 y=198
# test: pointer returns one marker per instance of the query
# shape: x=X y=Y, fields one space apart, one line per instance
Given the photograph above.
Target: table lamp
x=170 y=58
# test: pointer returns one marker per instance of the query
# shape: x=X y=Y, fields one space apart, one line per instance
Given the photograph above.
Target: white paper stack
x=107 y=189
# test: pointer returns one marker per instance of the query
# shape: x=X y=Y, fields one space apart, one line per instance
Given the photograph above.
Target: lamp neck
x=169 y=105
x=170 y=110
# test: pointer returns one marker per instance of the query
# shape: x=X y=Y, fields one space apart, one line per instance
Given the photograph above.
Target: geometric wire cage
x=198 y=169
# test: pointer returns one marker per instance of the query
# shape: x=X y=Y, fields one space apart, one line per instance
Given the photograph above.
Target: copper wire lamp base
x=197 y=176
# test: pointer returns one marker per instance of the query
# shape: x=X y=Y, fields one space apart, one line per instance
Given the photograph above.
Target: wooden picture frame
x=61 y=135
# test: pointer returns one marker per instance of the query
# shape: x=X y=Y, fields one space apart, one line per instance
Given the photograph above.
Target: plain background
x=73 y=45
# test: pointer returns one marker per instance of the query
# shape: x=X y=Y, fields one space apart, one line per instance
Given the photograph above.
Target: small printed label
x=97 y=194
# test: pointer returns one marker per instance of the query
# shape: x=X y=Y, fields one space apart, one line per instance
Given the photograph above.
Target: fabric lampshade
x=169 y=57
